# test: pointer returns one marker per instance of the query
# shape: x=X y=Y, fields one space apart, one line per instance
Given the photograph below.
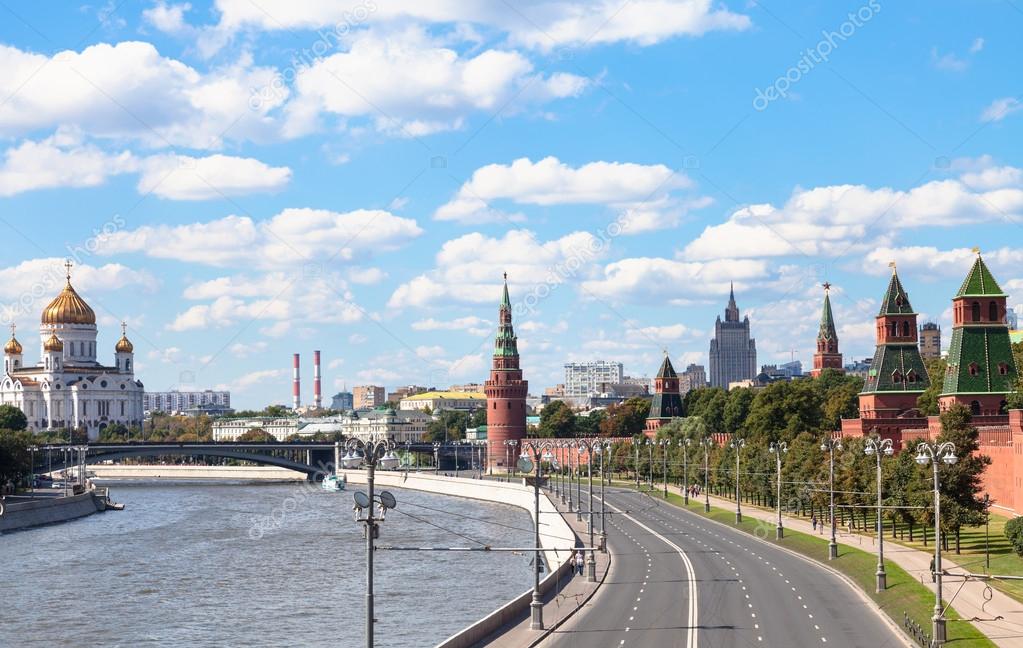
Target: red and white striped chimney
x=317 y=398
x=296 y=387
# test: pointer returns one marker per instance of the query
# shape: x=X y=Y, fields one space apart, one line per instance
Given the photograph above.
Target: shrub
x=1014 y=532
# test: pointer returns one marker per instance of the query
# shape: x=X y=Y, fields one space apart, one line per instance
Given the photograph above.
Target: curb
x=899 y=632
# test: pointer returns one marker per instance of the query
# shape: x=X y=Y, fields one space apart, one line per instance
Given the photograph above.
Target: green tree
x=15 y=458
x=782 y=410
x=556 y=420
x=1014 y=532
x=589 y=425
x=12 y=418
x=840 y=395
x=625 y=419
x=961 y=482
x=252 y=435
x=736 y=409
x=447 y=425
x=927 y=402
x=1015 y=398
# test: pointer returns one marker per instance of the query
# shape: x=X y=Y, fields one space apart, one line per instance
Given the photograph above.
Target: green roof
x=896 y=300
x=892 y=369
x=980 y=282
x=827 y=329
x=666 y=370
x=506 y=342
x=988 y=351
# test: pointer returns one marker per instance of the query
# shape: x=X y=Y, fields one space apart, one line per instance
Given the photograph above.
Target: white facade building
x=584 y=378
x=373 y=424
x=175 y=401
x=69 y=388
x=447 y=400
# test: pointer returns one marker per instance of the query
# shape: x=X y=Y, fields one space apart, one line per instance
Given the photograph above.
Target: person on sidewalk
x=580 y=561
x=813 y=522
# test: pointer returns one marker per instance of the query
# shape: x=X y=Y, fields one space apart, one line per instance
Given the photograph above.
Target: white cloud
x=977 y=45
x=541 y=24
x=293 y=237
x=43 y=278
x=641 y=191
x=471 y=324
x=366 y=276
x=929 y=262
x=47 y=164
x=658 y=280
x=180 y=177
x=999 y=109
x=277 y=297
x=168 y=18
x=466 y=272
x=406 y=84
x=257 y=378
x=64 y=161
x=129 y=91
x=240 y=350
x=839 y=219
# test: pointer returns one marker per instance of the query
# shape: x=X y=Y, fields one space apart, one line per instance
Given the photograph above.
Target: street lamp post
x=591 y=563
x=650 y=463
x=32 y=471
x=877 y=447
x=665 y=444
x=636 y=465
x=579 y=483
x=372 y=453
x=779 y=449
x=685 y=470
x=932 y=453
x=436 y=457
x=738 y=445
x=456 y=443
x=602 y=448
x=540 y=452
x=511 y=443
x=706 y=442
x=829 y=446
x=987 y=530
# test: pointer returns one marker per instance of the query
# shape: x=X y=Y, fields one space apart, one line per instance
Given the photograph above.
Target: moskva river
x=201 y=564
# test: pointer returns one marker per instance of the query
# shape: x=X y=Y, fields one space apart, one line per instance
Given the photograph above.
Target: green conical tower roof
x=506 y=342
x=979 y=282
x=666 y=370
x=827 y=329
x=896 y=300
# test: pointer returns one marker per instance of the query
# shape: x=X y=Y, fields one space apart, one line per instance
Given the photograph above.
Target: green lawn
x=903 y=596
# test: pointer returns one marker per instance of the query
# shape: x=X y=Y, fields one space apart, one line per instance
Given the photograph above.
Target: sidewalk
x=562 y=602
x=969 y=602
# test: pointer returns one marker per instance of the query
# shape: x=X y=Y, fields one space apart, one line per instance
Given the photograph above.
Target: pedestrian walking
x=579 y=562
x=813 y=522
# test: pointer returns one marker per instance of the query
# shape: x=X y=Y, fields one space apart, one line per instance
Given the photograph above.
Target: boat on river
x=333 y=483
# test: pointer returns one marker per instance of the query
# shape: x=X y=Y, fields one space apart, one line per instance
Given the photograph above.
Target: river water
x=202 y=564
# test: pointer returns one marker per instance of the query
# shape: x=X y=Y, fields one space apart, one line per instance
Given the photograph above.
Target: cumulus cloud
x=930 y=262
x=837 y=219
x=293 y=237
x=465 y=267
x=471 y=324
x=63 y=160
x=406 y=84
x=168 y=18
x=999 y=109
x=129 y=91
x=640 y=192
x=656 y=280
x=531 y=23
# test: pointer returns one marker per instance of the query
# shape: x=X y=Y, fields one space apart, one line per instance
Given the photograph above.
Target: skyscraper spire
x=732 y=312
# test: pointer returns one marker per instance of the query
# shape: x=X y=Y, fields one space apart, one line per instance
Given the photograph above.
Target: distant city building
x=555 y=392
x=643 y=381
x=828 y=355
x=444 y=400
x=467 y=387
x=582 y=378
x=342 y=401
x=406 y=391
x=367 y=397
x=177 y=402
x=1012 y=319
x=930 y=340
x=733 y=353
x=793 y=369
x=858 y=368
x=694 y=377
x=774 y=373
x=371 y=424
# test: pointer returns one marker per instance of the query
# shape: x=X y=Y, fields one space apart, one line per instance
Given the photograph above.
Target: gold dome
x=124 y=345
x=68 y=307
x=53 y=344
x=13 y=347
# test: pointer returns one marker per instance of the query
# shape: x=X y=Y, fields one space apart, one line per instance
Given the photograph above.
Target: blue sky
x=240 y=181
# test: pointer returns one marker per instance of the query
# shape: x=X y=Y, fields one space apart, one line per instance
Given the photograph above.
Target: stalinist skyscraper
x=733 y=353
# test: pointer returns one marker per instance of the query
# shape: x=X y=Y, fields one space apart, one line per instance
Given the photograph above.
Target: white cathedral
x=68 y=388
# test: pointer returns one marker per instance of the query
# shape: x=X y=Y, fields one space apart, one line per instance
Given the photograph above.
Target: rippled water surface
x=254 y=565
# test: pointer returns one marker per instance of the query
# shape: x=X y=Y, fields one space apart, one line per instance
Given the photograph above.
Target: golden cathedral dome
x=124 y=345
x=68 y=307
x=53 y=343
x=13 y=347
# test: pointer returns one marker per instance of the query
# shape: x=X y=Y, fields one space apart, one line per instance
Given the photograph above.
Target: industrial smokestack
x=317 y=398
x=296 y=388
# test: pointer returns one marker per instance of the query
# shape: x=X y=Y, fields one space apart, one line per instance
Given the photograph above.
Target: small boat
x=333 y=483
x=115 y=506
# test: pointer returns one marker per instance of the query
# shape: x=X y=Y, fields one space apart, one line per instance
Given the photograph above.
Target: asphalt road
x=679 y=580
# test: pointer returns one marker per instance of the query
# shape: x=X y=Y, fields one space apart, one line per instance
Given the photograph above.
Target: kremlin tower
x=981 y=369
x=667 y=402
x=506 y=391
x=897 y=375
x=827 y=356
